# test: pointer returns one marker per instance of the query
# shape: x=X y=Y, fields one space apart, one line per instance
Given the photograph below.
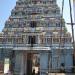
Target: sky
x=7 y=5
x=5 y=10
x=66 y=14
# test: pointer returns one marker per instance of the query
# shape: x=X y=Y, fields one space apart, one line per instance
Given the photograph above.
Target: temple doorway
x=33 y=64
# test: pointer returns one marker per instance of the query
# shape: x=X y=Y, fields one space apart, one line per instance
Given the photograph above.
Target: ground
x=61 y=74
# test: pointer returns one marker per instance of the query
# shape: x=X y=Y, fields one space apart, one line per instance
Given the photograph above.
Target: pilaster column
x=22 y=64
x=39 y=39
x=25 y=63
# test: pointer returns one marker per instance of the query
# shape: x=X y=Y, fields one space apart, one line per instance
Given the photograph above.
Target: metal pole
x=72 y=28
x=71 y=22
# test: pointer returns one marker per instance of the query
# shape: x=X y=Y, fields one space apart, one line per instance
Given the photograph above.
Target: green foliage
x=65 y=29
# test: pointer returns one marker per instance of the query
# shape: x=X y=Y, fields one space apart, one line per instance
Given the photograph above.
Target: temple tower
x=35 y=37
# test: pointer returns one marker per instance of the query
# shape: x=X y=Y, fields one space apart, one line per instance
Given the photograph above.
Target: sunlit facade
x=35 y=37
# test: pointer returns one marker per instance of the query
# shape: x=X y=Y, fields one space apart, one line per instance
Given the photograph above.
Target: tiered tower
x=35 y=37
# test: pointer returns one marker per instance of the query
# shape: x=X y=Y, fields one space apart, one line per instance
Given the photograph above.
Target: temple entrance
x=33 y=64
x=30 y=63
